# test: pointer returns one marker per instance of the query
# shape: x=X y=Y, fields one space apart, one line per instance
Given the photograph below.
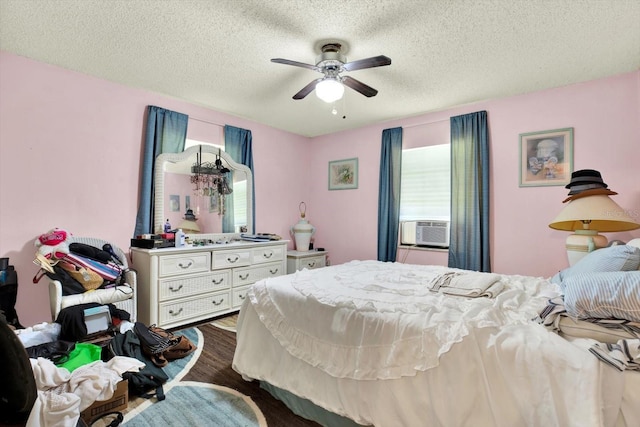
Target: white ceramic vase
x=302 y=233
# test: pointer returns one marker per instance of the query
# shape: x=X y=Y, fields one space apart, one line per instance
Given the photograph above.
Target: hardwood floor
x=214 y=366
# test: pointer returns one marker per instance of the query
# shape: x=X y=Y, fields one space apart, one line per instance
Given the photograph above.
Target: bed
x=389 y=344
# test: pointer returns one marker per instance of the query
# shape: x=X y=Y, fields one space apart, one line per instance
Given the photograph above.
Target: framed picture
x=546 y=158
x=174 y=202
x=343 y=174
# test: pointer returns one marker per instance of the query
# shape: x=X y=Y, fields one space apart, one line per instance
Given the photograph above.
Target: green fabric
x=83 y=354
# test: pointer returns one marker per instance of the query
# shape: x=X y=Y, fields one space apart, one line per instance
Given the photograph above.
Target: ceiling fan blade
x=358 y=86
x=307 y=89
x=295 y=63
x=376 y=61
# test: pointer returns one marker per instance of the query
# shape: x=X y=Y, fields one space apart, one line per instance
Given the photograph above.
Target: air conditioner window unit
x=425 y=233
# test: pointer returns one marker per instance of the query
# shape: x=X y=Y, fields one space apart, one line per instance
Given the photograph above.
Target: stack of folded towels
x=467 y=284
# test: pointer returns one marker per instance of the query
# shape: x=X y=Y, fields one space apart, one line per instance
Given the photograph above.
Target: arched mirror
x=203 y=191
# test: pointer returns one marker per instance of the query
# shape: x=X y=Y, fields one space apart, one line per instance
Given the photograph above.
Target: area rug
x=192 y=403
x=203 y=390
x=228 y=323
x=214 y=367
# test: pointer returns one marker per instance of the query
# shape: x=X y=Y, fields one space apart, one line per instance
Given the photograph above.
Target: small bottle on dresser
x=180 y=238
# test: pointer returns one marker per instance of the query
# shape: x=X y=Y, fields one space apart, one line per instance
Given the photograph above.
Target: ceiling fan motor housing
x=331 y=57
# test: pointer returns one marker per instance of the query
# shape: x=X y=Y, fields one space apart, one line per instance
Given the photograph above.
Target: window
x=425 y=189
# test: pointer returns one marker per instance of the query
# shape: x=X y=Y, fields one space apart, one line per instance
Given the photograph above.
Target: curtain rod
x=206 y=121
x=426 y=123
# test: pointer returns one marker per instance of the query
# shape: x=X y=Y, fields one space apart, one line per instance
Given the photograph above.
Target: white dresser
x=298 y=260
x=177 y=286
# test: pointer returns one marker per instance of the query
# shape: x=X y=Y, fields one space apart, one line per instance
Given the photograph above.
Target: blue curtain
x=389 y=198
x=469 y=234
x=238 y=144
x=166 y=132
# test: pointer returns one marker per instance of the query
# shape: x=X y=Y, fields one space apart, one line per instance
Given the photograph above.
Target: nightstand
x=297 y=260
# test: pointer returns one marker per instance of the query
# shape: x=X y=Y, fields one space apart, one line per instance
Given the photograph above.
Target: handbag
x=88 y=278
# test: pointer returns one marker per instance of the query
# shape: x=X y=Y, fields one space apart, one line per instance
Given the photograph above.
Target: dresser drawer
x=268 y=254
x=171 y=265
x=311 y=262
x=239 y=295
x=196 y=306
x=230 y=258
x=297 y=260
x=193 y=284
x=246 y=276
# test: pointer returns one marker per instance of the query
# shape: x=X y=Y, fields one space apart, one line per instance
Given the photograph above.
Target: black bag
x=57 y=351
x=149 y=378
x=90 y=252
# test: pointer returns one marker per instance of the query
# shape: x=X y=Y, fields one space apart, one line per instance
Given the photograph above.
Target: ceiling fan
x=331 y=63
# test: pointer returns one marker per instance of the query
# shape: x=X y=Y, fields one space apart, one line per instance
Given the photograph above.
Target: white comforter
x=364 y=339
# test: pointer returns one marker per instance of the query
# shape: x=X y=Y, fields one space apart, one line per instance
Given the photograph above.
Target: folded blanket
x=471 y=285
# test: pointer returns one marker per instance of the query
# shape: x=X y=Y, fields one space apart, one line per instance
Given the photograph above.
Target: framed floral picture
x=343 y=174
x=546 y=158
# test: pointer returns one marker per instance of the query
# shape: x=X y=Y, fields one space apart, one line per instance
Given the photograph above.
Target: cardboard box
x=118 y=402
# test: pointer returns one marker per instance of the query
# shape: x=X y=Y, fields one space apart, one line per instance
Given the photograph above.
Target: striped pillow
x=612 y=258
x=603 y=295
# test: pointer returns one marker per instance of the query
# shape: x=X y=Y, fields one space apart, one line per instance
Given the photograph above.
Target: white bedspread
x=372 y=320
x=319 y=339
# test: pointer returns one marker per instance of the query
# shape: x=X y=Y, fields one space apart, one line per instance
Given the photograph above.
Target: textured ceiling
x=217 y=53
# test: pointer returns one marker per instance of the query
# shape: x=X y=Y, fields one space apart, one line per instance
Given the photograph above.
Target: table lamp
x=586 y=216
x=189 y=225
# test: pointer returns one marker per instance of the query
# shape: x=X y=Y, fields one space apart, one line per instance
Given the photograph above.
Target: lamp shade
x=596 y=212
x=189 y=226
x=329 y=90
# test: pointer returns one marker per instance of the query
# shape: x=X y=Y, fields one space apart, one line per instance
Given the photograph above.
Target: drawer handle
x=173 y=313
x=232 y=260
x=242 y=296
x=219 y=302
x=311 y=264
x=172 y=289
x=185 y=266
x=273 y=271
x=245 y=277
x=217 y=282
x=267 y=255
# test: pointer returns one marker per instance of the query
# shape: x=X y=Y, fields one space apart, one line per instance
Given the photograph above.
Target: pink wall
x=70 y=148
x=604 y=115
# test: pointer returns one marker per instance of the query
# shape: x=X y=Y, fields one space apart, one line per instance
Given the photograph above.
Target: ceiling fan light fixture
x=329 y=90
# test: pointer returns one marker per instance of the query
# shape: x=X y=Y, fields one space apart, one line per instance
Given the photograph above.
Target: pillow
x=613 y=258
x=603 y=295
x=634 y=242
